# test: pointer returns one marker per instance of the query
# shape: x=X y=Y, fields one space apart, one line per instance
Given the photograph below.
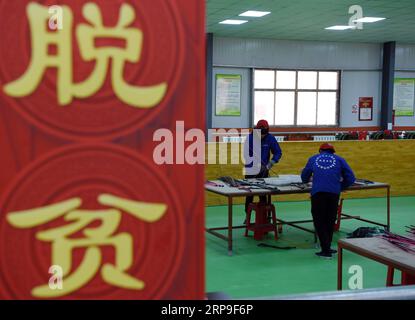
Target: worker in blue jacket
x=268 y=145
x=330 y=176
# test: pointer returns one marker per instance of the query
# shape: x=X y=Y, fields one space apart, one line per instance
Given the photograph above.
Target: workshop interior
x=207 y=149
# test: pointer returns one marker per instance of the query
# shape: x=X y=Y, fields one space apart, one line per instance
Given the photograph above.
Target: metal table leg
x=230 y=205
x=340 y=268
x=388 y=207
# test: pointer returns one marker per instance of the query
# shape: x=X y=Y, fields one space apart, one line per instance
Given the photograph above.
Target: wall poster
x=228 y=94
x=403 y=97
x=365 y=108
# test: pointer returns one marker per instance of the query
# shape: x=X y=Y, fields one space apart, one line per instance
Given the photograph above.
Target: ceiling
x=306 y=20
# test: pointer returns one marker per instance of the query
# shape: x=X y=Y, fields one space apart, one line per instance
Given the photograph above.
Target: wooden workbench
x=232 y=192
x=377 y=249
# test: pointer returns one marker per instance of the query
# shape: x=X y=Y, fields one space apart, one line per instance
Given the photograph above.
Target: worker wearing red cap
x=268 y=145
x=331 y=175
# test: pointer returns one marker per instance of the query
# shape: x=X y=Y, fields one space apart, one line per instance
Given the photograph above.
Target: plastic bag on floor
x=366 y=232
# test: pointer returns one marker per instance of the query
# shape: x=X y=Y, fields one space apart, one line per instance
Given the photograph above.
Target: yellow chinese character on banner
x=86 y=34
x=103 y=235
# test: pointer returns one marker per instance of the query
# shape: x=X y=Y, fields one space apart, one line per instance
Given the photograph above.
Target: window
x=296 y=98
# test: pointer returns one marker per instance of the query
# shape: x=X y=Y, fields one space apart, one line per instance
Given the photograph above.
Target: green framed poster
x=228 y=94
x=404 y=97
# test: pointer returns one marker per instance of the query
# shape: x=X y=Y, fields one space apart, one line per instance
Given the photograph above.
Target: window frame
x=296 y=90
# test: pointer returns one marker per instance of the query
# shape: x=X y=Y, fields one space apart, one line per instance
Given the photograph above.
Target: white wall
x=357 y=84
x=264 y=53
x=360 y=63
x=405 y=57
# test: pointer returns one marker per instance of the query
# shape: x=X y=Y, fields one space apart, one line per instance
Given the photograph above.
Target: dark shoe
x=324 y=255
x=332 y=251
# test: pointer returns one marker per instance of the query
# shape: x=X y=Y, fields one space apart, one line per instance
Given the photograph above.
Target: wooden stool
x=262 y=226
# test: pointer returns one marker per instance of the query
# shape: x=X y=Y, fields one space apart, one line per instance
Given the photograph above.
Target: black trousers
x=248 y=200
x=324 y=210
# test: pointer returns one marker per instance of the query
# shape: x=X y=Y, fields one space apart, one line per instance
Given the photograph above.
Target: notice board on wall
x=85 y=212
x=228 y=94
x=404 y=97
x=365 y=108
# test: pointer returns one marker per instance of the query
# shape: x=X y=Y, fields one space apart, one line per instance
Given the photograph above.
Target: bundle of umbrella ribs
x=405 y=243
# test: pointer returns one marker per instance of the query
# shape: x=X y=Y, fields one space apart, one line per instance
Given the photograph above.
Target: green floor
x=255 y=271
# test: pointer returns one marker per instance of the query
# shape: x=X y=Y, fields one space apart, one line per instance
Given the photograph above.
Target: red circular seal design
x=87 y=171
x=102 y=116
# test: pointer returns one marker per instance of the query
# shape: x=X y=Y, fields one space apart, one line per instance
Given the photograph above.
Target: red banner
x=85 y=212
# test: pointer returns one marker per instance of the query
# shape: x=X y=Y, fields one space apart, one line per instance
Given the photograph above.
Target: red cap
x=262 y=124
x=327 y=146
